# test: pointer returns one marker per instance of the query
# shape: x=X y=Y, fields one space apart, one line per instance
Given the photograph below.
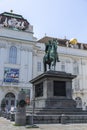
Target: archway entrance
x=10 y=100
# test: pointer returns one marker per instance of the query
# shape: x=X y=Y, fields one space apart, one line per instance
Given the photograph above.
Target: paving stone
x=8 y=125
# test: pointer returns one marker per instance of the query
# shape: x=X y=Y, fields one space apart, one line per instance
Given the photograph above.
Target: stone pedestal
x=53 y=90
x=20 y=116
x=52 y=99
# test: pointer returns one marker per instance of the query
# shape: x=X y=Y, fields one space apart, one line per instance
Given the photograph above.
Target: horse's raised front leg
x=53 y=65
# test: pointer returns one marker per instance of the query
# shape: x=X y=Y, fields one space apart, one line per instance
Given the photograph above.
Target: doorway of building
x=10 y=100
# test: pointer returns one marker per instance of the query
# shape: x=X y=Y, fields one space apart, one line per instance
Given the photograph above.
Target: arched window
x=10 y=95
x=13 y=55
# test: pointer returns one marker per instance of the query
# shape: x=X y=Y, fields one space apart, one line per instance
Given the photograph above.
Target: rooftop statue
x=51 y=56
x=13 y=21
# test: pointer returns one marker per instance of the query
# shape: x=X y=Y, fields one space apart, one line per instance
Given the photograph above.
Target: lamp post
x=33 y=106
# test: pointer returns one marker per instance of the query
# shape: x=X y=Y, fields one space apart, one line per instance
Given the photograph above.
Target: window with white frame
x=75 y=68
x=76 y=84
x=13 y=55
x=68 y=66
x=63 y=66
x=38 y=66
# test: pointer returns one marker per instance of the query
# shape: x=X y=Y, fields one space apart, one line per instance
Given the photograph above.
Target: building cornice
x=63 y=43
x=17 y=40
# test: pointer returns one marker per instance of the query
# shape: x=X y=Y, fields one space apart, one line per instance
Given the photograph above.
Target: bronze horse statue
x=51 y=57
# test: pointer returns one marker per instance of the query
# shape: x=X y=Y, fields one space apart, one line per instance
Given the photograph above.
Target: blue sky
x=56 y=18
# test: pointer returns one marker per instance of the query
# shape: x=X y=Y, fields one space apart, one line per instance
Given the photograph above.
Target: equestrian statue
x=51 y=56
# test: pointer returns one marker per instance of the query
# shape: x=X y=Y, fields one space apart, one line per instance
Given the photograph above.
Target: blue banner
x=11 y=75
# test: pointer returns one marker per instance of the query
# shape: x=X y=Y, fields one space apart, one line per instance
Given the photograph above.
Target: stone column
x=69 y=89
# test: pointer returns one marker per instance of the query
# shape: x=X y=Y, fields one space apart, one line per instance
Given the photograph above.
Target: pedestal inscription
x=59 y=88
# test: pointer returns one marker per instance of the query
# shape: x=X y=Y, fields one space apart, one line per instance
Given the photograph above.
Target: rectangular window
x=38 y=66
x=75 y=68
x=77 y=84
x=13 y=55
x=12 y=102
x=62 y=66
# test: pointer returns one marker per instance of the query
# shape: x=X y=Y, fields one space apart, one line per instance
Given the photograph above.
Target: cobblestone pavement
x=8 y=125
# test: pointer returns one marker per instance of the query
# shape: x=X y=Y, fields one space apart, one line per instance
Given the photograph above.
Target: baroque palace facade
x=21 y=59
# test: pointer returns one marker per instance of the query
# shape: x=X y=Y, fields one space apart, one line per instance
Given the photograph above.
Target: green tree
x=3 y=104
